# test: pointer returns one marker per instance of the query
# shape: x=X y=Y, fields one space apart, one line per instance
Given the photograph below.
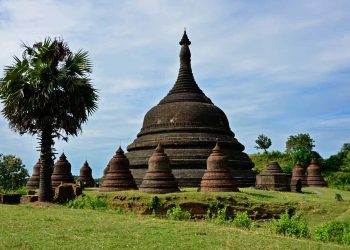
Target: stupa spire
x=185 y=88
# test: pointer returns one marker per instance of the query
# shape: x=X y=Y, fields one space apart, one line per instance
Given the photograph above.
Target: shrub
x=88 y=202
x=221 y=215
x=242 y=220
x=336 y=231
x=338 y=180
x=154 y=203
x=294 y=226
x=176 y=213
x=338 y=197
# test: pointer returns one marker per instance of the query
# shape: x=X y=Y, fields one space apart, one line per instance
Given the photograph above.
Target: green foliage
x=338 y=180
x=13 y=174
x=221 y=215
x=119 y=210
x=263 y=142
x=242 y=220
x=338 y=197
x=305 y=157
x=337 y=231
x=299 y=142
x=176 y=213
x=293 y=226
x=261 y=160
x=86 y=201
x=48 y=86
x=154 y=203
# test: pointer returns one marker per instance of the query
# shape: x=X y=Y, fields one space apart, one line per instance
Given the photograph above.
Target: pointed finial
x=313 y=161
x=86 y=163
x=159 y=148
x=298 y=163
x=217 y=147
x=184 y=39
x=120 y=151
x=63 y=156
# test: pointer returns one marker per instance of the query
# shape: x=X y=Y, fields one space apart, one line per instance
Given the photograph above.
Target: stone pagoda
x=85 y=176
x=188 y=124
x=298 y=177
x=61 y=172
x=272 y=178
x=118 y=176
x=34 y=180
x=314 y=177
x=217 y=176
x=159 y=178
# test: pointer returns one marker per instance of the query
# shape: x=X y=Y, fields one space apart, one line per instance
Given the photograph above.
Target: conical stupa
x=118 y=175
x=217 y=176
x=34 y=180
x=61 y=172
x=188 y=125
x=86 y=176
x=159 y=178
x=314 y=177
x=273 y=178
x=298 y=172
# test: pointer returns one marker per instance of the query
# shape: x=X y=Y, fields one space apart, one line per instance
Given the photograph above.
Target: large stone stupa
x=188 y=125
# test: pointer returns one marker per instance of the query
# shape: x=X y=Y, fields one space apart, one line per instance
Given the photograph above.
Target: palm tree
x=48 y=93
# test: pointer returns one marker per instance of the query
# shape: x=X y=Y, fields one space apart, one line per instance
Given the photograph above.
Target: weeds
x=242 y=220
x=294 y=226
x=176 y=213
x=336 y=231
x=85 y=201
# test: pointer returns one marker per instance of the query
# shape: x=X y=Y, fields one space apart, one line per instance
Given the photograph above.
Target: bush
x=294 y=226
x=221 y=215
x=85 y=201
x=338 y=180
x=336 y=231
x=154 y=203
x=243 y=220
x=338 y=197
x=176 y=213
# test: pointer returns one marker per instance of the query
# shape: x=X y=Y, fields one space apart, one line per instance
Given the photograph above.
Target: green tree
x=48 y=93
x=263 y=142
x=13 y=173
x=299 y=142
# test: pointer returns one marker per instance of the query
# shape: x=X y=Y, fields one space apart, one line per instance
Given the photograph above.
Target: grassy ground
x=47 y=226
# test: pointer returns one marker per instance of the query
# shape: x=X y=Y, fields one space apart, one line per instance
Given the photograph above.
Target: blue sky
x=274 y=67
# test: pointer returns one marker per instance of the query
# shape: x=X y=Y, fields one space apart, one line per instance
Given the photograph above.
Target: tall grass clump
x=242 y=220
x=293 y=226
x=336 y=231
x=176 y=213
x=86 y=201
x=221 y=215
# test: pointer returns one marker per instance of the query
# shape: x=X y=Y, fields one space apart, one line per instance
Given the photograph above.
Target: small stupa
x=34 y=180
x=118 y=175
x=217 y=176
x=272 y=178
x=61 y=172
x=314 y=177
x=159 y=177
x=85 y=176
x=298 y=178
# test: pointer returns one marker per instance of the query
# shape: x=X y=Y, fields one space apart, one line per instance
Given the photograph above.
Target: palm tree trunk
x=46 y=143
